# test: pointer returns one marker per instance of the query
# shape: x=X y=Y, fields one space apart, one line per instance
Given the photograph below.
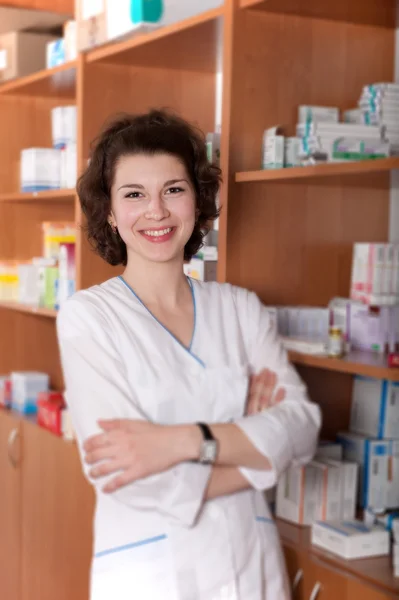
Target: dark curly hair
x=157 y=131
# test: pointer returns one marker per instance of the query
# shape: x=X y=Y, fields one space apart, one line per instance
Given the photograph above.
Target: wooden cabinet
x=313 y=578
x=46 y=512
x=57 y=511
x=10 y=501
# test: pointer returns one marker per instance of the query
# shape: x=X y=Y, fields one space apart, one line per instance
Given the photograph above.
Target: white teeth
x=158 y=233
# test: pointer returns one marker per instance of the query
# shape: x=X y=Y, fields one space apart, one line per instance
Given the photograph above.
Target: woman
x=157 y=370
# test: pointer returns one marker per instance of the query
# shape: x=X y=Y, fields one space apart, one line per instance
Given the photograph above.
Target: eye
x=174 y=190
x=134 y=195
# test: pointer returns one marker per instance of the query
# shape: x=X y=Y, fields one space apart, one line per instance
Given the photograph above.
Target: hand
x=263 y=392
x=132 y=449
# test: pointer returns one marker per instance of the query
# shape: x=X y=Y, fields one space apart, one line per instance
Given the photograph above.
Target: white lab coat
x=157 y=539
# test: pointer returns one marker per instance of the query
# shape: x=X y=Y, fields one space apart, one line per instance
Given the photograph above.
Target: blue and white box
x=64 y=126
x=55 y=53
x=25 y=388
x=351 y=539
x=40 y=169
x=375 y=408
x=378 y=462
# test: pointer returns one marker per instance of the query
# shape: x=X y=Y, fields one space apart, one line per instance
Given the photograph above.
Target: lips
x=157 y=236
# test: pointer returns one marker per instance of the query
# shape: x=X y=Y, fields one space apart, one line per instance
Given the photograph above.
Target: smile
x=158 y=235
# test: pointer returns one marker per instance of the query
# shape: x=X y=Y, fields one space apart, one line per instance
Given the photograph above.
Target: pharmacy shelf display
x=288 y=235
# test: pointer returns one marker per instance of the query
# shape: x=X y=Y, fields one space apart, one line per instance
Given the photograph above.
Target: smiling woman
x=189 y=179
x=183 y=400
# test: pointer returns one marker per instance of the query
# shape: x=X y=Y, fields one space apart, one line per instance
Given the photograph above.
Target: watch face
x=209 y=451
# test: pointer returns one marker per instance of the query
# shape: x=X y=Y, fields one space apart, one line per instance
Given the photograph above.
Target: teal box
x=146 y=11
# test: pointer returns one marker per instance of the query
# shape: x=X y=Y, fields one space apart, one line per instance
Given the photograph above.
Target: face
x=153 y=206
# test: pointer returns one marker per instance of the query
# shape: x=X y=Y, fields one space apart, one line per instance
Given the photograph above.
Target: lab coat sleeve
x=97 y=388
x=288 y=432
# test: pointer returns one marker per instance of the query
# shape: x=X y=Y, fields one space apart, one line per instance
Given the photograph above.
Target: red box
x=49 y=410
x=5 y=392
x=393 y=359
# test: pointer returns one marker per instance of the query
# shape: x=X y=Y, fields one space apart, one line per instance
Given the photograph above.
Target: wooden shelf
x=376 y=571
x=366 y=12
x=29 y=310
x=59 y=81
x=47 y=196
x=191 y=44
x=316 y=173
x=355 y=363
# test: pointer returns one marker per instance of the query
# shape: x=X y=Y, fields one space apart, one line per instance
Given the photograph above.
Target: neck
x=156 y=283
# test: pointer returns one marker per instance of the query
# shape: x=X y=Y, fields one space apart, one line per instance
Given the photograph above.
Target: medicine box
x=22 y=53
x=28 y=284
x=378 y=462
x=322 y=114
x=272 y=149
x=375 y=408
x=327 y=449
x=70 y=39
x=91 y=23
x=203 y=270
x=40 y=169
x=63 y=126
x=373 y=274
x=309 y=493
x=291 y=152
x=55 y=53
x=69 y=166
x=351 y=539
x=5 y=391
x=348 y=484
x=49 y=411
x=26 y=387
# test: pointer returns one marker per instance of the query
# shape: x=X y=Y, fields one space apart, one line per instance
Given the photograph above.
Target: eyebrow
x=138 y=186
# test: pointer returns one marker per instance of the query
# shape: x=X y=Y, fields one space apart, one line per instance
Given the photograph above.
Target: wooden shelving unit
x=29 y=310
x=59 y=81
x=286 y=238
x=367 y=364
x=320 y=173
x=45 y=196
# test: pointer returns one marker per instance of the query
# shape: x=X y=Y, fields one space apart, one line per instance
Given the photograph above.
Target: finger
x=108 y=467
x=110 y=424
x=118 y=482
x=104 y=453
x=96 y=441
x=280 y=395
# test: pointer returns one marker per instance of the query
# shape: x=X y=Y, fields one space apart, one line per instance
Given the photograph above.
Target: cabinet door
x=323 y=582
x=57 y=513
x=10 y=496
x=363 y=591
x=296 y=568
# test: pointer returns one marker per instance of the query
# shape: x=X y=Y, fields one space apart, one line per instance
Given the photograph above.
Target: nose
x=156 y=209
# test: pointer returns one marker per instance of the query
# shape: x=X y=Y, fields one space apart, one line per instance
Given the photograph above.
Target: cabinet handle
x=297 y=579
x=12 y=438
x=315 y=591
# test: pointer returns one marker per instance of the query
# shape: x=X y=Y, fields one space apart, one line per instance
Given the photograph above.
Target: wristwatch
x=210 y=446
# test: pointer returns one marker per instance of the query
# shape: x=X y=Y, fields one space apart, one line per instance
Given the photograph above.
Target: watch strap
x=206 y=432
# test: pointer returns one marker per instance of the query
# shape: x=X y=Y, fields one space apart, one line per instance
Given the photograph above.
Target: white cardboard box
x=348 y=485
x=351 y=539
x=375 y=408
x=327 y=449
x=309 y=493
x=272 y=149
x=378 y=462
x=40 y=169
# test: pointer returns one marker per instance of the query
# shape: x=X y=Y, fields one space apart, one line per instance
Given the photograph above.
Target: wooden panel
x=107 y=90
x=56 y=519
x=58 y=6
x=373 y=12
x=29 y=343
x=23 y=238
x=10 y=506
x=31 y=310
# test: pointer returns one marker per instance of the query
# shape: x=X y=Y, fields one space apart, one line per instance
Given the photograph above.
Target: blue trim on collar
x=187 y=349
